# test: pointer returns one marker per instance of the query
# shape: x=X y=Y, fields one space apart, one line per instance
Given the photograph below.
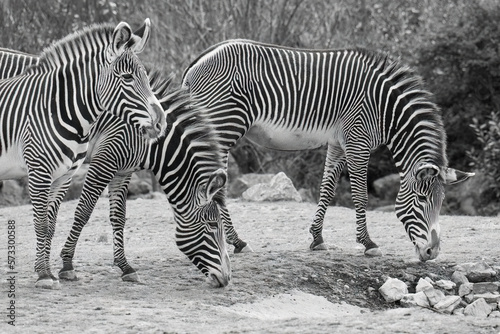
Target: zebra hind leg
x=335 y=162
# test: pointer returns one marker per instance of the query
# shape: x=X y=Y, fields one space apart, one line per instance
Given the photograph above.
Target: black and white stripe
x=350 y=100
x=47 y=109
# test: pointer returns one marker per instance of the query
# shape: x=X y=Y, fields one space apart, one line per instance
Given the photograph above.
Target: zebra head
x=124 y=87
x=419 y=201
x=200 y=232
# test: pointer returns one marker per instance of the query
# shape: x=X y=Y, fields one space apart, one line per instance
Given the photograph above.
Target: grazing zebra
x=188 y=166
x=353 y=101
x=47 y=110
x=116 y=152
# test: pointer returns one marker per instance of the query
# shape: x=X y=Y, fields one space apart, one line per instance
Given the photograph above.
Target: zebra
x=351 y=100
x=47 y=110
x=188 y=166
x=115 y=152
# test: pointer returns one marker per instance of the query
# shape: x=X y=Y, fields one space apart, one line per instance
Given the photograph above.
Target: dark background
x=453 y=44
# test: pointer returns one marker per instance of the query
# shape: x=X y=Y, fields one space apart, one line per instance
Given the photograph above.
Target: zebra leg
x=357 y=163
x=232 y=237
x=334 y=164
x=97 y=178
x=118 y=189
x=38 y=186
x=55 y=198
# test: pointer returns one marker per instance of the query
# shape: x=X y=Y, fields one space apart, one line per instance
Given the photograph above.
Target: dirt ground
x=281 y=287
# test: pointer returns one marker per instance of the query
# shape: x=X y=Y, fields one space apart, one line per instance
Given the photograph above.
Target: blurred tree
x=452 y=43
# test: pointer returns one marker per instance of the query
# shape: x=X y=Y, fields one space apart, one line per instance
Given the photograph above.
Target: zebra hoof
x=318 y=244
x=68 y=275
x=319 y=247
x=373 y=252
x=47 y=283
x=245 y=249
x=131 y=277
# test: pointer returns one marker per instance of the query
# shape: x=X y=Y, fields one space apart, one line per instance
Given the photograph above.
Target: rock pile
x=472 y=291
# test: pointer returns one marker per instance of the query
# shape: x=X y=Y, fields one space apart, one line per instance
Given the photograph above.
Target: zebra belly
x=12 y=165
x=280 y=138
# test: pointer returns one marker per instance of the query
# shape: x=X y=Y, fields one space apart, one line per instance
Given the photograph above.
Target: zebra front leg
x=334 y=164
x=96 y=180
x=54 y=201
x=39 y=187
x=357 y=163
x=118 y=189
x=232 y=237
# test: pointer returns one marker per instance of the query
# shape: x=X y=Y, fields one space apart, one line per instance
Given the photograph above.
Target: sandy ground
x=282 y=287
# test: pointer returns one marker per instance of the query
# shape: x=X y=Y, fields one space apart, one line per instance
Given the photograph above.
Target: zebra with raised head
x=188 y=166
x=353 y=101
x=47 y=110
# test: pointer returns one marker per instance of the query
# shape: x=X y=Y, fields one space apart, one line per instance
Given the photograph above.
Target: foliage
x=487 y=159
x=452 y=43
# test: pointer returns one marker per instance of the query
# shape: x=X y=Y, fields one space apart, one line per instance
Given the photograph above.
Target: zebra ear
x=121 y=36
x=216 y=182
x=140 y=37
x=426 y=171
x=454 y=176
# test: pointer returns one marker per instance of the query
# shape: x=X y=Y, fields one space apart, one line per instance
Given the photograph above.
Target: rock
x=458 y=311
x=279 y=189
x=445 y=284
x=393 y=290
x=479 y=308
x=477 y=271
x=246 y=181
x=465 y=289
x=494 y=314
x=448 y=304
x=469 y=298
x=459 y=278
x=140 y=184
x=428 y=279
x=387 y=187
x=415 y=299
x=483 y=287
x=422 y=284
x=492 y=298
x=14 y=192
x=434 y=295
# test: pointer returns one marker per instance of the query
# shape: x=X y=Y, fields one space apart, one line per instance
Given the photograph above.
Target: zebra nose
x=431 y=250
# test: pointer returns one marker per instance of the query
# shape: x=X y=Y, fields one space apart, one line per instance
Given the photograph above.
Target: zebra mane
x=412 y=87
x=76 y=44
x=191 y=122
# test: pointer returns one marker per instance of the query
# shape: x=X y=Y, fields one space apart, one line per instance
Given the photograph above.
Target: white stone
x=459 y=278
x=422 y=284
x=465 y=289
x=428 y=279
x=279 y=189
x=446 y=284
x=415 y=299
x=484 y=287
x=448 y=304
x=493 y=298
x=476 y=271
x=434 y=295
x=393 y=290
x=494 y=314
x=479 y=308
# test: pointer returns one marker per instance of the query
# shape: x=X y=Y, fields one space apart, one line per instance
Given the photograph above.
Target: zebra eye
x=212 y=224
x=127 y=76
x=422 y=198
